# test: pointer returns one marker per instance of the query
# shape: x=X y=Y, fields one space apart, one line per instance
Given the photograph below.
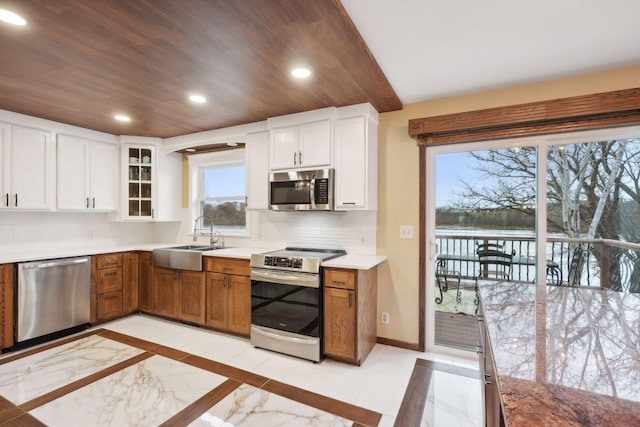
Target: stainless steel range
x=286 y=300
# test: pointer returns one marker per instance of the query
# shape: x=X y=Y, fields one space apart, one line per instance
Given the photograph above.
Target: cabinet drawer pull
x=338 y=282
x=111 y=273
x=348 y=203
x=487 y=383
x=227 y=269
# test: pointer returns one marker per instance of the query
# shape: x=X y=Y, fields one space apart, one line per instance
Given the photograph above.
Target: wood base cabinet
x=106 y=278
x=492 y=409
x=350 y=328
x=179 y=294
x=114 y=282
x=6 y=305
x=229 y=295
x=145 y=267
x=130 y=282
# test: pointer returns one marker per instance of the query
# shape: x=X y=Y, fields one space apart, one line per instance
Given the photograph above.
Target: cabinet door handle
x=152 y=215
x=94 y=203
x=7 y=200
x=294 y=158
x=300 y=157
x=350 y=299
x=487 y=383
x=16 y=200
x=87 y=203
x=229 y=282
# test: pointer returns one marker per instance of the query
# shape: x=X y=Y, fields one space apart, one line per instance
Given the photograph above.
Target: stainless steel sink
x=186 y=257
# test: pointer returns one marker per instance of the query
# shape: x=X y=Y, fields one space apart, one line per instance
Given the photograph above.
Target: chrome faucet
x=195 y=228
x=217 y=240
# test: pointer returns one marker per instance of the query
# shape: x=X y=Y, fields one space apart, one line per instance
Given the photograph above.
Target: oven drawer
x=286 y=342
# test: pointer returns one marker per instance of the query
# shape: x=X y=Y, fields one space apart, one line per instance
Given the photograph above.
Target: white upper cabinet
x=151 y=182
x=28 y=163
x=257 y=167
x=87 y=177
x=304 y=146
x=356 y=146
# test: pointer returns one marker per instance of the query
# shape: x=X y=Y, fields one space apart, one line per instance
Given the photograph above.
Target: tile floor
x=377 y=386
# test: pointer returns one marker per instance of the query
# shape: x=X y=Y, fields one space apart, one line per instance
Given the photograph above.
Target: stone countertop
x=566 y=356
x=357 y=262
x=360 y=262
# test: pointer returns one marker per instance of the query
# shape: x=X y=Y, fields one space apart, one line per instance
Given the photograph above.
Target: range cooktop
x=305 y=260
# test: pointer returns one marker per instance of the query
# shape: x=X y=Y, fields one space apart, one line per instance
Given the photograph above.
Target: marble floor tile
x=453 y=401
x=145 y=394
x=25 y=379
x=248 y=406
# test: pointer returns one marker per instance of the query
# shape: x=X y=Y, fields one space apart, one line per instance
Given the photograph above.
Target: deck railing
x=598 y=263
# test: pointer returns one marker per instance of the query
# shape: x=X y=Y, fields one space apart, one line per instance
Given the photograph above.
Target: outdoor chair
x=494 y=262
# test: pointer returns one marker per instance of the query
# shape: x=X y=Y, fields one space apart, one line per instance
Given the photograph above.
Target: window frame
x=218 y=159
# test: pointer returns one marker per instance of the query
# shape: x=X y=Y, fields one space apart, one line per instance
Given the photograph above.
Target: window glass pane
x=228 y=214
x=224 y=182
x=593 y=212
x=485 y=228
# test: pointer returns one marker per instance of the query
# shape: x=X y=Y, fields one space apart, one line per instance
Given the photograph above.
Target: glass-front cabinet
x=141 y=162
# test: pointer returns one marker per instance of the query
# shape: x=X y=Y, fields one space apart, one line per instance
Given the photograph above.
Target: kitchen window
x=218 y=191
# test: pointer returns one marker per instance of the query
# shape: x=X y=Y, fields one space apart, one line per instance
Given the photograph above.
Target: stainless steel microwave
x=305 y=190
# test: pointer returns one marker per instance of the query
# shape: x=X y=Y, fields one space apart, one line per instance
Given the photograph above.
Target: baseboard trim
x=398 y=343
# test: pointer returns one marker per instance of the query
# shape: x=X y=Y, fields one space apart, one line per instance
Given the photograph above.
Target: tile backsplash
x=353 y=231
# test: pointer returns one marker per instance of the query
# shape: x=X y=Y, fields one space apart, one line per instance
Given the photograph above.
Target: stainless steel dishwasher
x=52 y=296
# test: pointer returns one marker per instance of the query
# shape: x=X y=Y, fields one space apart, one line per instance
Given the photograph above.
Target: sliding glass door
x=560 y=210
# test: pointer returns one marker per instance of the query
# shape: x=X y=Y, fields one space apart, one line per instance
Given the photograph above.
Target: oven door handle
x=308 y=280
x=284 y=338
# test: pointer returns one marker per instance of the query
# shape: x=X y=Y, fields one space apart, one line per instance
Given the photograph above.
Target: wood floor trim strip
x=342 y=409
x=415 y=396
x=8 y=410
x=55 y=394
x=200 y=406
x=47 y=346
x=226 y=370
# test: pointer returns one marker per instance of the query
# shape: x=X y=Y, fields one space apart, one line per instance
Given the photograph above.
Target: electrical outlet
x=384 y=319
x=406 y=232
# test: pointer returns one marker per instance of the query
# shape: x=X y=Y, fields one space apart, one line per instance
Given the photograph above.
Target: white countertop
x=358 y=262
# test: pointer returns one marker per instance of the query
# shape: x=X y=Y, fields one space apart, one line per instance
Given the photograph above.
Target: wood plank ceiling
x=81 y=61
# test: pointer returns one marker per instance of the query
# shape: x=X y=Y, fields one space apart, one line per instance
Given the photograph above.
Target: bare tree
x=587 y=185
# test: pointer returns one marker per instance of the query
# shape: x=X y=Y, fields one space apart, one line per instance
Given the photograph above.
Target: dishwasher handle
x=54 y=263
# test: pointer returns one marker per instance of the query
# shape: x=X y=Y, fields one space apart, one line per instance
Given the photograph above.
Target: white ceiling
x=435 y=48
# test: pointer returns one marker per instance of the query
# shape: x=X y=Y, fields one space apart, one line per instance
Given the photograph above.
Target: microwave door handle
x=312 y=193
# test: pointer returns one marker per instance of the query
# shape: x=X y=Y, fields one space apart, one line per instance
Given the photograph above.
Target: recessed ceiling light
x=232 y=144
x=301 y=73
x=122 y=118
x=11 y=18
x=190 y=150
x=198 y=99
